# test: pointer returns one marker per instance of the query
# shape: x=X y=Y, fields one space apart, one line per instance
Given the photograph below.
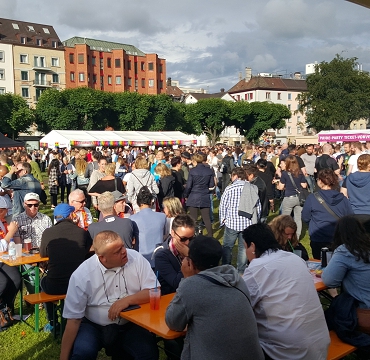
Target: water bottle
x=11 y=250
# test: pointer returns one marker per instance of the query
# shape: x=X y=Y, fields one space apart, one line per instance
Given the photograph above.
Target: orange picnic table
x=27 y=259
x=153 y=320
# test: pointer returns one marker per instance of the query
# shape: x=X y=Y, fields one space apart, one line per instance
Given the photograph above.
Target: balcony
x=40 y=66
x=42 y=83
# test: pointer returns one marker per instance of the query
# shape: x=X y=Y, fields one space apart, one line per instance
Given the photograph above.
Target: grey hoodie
x=220 y=319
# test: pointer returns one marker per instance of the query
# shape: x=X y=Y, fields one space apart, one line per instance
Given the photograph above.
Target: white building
x=6 y=69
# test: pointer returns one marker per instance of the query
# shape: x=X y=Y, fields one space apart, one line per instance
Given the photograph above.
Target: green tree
x=337 y=93
x=16 y=116
x=210 y=116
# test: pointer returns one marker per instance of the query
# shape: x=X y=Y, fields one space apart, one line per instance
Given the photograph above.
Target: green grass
x=20 y=342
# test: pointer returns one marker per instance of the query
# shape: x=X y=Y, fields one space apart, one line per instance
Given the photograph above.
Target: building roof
x=365 y=3
x=174 y=91
x=101 y=45
x=269 y=83
x=11 y=31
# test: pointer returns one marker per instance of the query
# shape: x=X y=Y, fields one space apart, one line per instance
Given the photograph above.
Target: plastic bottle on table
x=11 y=250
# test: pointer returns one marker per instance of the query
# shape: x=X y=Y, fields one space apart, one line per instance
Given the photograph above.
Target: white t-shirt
x=353 y=161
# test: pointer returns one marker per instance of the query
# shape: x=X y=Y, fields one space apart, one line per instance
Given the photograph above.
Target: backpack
x=145 y=186
x=225 y=166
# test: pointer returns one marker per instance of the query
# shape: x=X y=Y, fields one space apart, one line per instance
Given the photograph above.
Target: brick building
x=113 y=67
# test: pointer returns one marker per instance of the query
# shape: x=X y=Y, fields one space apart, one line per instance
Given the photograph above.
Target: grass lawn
x=20 y=342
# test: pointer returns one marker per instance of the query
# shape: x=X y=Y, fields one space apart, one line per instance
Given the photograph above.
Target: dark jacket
x=179 y=183
x=169 y=268
x=166 y=188
x=358 y=190
x=201 y=179
x=262 y=194
x=321 y=224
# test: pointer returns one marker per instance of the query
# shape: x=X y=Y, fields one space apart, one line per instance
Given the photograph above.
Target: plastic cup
x=27 y=243
x=155 y=298
x=18 y=250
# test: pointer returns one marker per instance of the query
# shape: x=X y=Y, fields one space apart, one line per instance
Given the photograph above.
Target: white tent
x=80 y=138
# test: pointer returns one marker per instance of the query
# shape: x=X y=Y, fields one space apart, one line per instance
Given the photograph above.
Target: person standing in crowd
x=233 y=222
x=226 y=167
x=95 y=177
x=325 y=161
x=178 y=174
x=211 y=299
x=66 y=246
x=186 y=164
x=82 y=215
x=54 y=175
x=356 y=148
x=199 y=184
x=35 y=168
x=289 y=315
x=24 y=184
x=342 y=161
x=166 y=183
x=321 y=223
x=291 y=201
x=159 y=158
x=309 y=159
x=65 y=182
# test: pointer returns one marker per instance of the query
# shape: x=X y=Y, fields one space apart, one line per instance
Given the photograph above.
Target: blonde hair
x=363 y=162
x=174 y=206
x=80 y=166
x=141 y=163
x=162 y=170
x=110 y=169
x=198 y=158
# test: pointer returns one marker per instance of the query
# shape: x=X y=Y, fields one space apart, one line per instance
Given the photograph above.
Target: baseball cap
x=186 y=155
x=32 y=196
x=62 y=211
x=118 y=196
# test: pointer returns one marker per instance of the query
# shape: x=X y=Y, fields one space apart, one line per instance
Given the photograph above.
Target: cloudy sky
x=207 y=43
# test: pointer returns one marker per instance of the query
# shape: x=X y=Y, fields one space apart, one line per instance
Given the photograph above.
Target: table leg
x=37 y=290
x=21 y=296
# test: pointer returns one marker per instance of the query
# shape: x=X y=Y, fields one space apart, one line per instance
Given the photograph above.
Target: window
x=117 y=63
x=151 y=66
x=55 y=78
x=39 y=61
x=80 y=58
x=24 y=75
x=2 y=56
x=136 y=84
x=23 y=58
x=251 y=96
x=298 y=119
x=54 y=44
x=289 y=129
x=309 y=130
x=15 y=26
x=23 y=40
x=160 y=68
x=289 y=120
x=109 y=80
x=129 y=65
x=54 y=61
x=143 y=83
x=289 y=106
x=268 y=96
x=38 y=42
x=46 y=30
x=279 y=131
x=30 y=28
x=279 y=96
x=354 y=125
x=2 y=91
x=245 y=96
x=109 y=62
x=71 y=58
x=25 y=92
x=129 y=82
x=81 y=77
x=161 y=84
x=289 y=96
x=299 y=130
x=2 y=74
x=238 y=97
x=118 y=80
x=151 y=83
x=101 y=63
x=72 y=76
x=361 y=126
x=142 y=66
x=94 y=78
x=93 y=61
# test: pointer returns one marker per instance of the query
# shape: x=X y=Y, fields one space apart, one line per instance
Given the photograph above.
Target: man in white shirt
x=356 y=149
x=104 y=285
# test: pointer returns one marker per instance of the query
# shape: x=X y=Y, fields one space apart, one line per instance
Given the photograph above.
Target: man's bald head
x=3 y=171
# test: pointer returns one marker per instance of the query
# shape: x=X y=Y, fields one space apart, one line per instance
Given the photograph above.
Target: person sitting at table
x=285 y=232
x=350 y=263
x=214 y=304
x=10 y=277
x=290 y=319
x=101 y=287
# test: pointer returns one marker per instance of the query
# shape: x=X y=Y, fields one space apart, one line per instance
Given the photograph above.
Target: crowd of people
x=127 y=214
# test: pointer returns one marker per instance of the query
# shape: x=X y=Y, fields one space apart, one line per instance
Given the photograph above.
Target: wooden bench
x=42 y=297
x=337 y=348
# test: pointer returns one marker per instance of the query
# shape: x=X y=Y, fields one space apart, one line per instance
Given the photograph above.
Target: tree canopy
x=337 y=93
x=16 y=116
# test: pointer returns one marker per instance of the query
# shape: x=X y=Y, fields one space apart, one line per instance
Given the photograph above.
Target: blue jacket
x=201 y=179
x=358 y=189
x=321 y=224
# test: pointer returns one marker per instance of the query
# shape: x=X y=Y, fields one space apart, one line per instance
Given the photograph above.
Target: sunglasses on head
x=35 y=205
x=183 y=238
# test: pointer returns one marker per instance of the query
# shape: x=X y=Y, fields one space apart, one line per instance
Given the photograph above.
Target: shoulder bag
x=326 y=206
x=302 y=194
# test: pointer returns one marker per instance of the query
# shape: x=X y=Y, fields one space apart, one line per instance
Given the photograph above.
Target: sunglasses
x=183 y=238
x=80 y=201
x=31 y=205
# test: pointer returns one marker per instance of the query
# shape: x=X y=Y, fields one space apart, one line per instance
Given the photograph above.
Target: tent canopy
x=80 y=138
x=6 y=142
x=344 y=135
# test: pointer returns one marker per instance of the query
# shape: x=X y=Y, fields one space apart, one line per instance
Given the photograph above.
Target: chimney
x=240 y=75
x=168 y=81
x=297 y=75
x=222 y=90
x=248 y=74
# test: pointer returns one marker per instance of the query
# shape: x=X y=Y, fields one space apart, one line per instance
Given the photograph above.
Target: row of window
x=117 y=62
x=118 y=80
x=38 y=61
x=25 y=76
x=249 y=96
x=289 y=130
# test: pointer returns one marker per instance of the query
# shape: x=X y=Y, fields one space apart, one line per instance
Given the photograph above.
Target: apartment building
x=113 y=67
x=266 y=87
x=33 y=59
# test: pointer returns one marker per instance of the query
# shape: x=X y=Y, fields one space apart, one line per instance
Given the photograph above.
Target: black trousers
x=10 y=283
x=204 y=213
